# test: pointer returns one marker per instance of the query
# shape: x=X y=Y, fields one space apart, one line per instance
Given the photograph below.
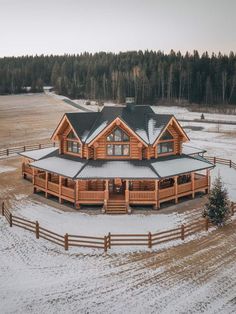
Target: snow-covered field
x=195 y=277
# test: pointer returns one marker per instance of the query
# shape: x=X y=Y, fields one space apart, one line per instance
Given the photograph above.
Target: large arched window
x=118 y=143
x=72 y=144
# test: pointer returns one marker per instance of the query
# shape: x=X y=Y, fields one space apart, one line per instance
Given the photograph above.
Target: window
x=73 y=147
x=165 y=147
x=166 y=136
x=118 y=135
x=118 y=150
x=71 y=135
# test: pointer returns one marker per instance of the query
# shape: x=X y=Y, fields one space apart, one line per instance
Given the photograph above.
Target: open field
x=38 y=277
x=27 y=118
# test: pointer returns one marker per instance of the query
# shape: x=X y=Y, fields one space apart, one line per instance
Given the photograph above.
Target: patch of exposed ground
x=28 y=119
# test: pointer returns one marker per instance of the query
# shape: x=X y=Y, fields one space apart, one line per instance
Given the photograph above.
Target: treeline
x=148 y=76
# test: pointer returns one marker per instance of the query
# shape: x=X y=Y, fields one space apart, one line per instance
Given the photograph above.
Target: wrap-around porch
x=129 y=191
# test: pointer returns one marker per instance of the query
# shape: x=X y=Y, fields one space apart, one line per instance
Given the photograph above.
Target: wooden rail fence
x=222 y=161
x=108 y=241
x=21 y=149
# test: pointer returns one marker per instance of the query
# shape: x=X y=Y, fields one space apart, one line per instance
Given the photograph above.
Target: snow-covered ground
x=197 y=277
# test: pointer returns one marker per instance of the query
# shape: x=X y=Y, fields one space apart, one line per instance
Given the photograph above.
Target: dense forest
x=148 y=76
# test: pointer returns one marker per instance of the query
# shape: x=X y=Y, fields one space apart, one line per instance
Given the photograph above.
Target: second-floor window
x=73 y=147
x=166 y=144
x=72 y=144
x=118 y=143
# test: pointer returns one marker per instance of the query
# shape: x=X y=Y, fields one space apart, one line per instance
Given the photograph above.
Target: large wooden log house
x=118 y=158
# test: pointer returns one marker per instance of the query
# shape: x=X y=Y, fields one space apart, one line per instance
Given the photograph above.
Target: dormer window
x=166 y=144
x=118 y=143
x=72 y=143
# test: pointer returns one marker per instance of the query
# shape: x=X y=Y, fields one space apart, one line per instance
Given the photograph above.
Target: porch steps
x=116 y=207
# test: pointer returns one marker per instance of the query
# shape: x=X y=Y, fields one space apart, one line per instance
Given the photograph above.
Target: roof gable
x=141 y=119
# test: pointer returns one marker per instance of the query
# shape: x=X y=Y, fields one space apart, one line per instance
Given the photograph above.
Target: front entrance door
x=116 y=188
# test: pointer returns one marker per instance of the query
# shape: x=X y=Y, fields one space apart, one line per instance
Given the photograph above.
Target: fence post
x=54 y=144
x=105 y=243
x=232 y=208
x=206 y=223
x=10 y=222
x=149 y=240
x=39 y=146
x=214 y=160
x=230 y=163
x=24 y=148
x=66 y=241
x=7 y=150
x=109 y=240
x=3 y=207
x=182 y=232
x=37 y=229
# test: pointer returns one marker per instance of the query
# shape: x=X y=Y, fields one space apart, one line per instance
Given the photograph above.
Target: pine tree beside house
x=218 y=206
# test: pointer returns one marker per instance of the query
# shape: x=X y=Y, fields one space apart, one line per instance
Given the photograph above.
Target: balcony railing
x=168 y=192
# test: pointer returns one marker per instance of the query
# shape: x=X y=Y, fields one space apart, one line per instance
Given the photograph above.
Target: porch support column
x=127 y=192
x=60 y=188
x=106 y=194
x=157 y=203
x=46 y=185
x=193 y=184
x=33 y=180
x=77 y=206
x=176 y=189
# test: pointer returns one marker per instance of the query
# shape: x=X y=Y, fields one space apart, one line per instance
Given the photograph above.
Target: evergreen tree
x=218 y=206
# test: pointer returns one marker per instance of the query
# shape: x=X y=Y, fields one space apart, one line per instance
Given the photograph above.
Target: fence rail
x=24 y=148
x=222 y=161
x=112 y=239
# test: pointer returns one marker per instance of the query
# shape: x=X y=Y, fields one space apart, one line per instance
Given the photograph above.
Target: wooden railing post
x=3 y=209
x=206 y=223
x=10 y=221
x=105 y=243
x=230 y=163
x=182 y=232
x=214 y=160
x=24 y=148
x=149 y=240
x=7 y=150
x=109 y=240
x=37 y=229
x=66 y=241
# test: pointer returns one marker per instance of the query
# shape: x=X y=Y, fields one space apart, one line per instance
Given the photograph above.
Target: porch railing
x=165 y=193
x=39 y=182
x=68 y=192
x=185 y=187
x=54 y=187
x=142 y=195
x=91 y=195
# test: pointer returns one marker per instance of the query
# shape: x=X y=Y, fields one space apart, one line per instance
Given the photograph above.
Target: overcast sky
x=74 y=26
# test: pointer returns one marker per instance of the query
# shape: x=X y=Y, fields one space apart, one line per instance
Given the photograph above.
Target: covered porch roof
x=77 y=168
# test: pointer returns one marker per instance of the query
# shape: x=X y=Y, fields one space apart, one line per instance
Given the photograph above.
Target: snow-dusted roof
x=190 y=150
x=78 y=168
x=40 y=153
x=176 y=166
x=141 y=119
x=62 y=166
x=117 y=169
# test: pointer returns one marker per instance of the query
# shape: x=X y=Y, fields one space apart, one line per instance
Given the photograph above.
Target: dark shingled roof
x=141 y=119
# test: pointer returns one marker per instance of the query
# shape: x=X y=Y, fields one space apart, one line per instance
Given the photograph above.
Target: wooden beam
x=176 y=189
x=127 y=192
x=193 y=184
x=157 y=205
x=60 y=188
x=46 y=185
